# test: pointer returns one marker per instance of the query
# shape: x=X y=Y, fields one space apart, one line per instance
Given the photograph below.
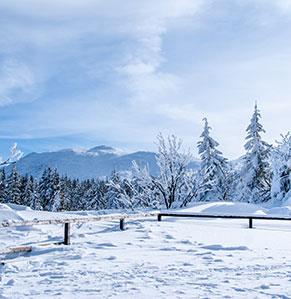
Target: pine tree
x=29 y=196
x=255 y=176
x=3 y=193
x=49 y=189
x=65 y=204
x=32 y=193
x=14 y=187
x=75 y=195
x=24 y=198
x=213 y=170
x=281 y=169
x=102 y=191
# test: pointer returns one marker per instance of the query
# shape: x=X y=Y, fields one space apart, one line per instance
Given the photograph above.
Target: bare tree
x=15 y=154
x=173 y=184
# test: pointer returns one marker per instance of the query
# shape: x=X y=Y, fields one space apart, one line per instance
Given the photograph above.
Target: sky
x=77 y=73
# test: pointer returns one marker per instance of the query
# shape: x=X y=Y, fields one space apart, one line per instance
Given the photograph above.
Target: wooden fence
x=121 y=218
x=201 y=215
x=67 y=226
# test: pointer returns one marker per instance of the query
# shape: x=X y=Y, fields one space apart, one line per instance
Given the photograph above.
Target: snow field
x=175 y=258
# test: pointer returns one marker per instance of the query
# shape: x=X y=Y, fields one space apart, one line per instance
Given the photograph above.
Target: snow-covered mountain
x=98 y=161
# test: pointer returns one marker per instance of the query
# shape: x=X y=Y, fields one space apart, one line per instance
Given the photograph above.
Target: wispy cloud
x=17 y=83
x=123 y=71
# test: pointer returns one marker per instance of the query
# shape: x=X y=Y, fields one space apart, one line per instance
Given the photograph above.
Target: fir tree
x=49 y=189
x=3 y=193
x=14 y=187
x=281 y=169
x=213 y=170
x=255 y=175
x=24 y=197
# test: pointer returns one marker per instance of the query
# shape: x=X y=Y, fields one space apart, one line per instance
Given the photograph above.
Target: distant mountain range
x=99 y=161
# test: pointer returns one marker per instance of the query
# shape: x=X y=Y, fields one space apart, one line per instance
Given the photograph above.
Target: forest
x=262 y=175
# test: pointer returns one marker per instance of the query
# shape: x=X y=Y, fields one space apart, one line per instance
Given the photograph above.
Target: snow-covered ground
x=175 y=258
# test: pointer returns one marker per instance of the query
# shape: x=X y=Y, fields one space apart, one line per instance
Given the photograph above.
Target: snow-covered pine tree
x=62 y=200
x=29 y=192
x=255 y=176
x=112 y=195
x=49 y=189
x=102 y=190
x=24 y=199
x=88 y=200
x=32 y=193
x=3 y=194
x=65 y=203
x=96 y=197
x=281 y=170
x=213 y=169
x=75 y=194
x=13 y=187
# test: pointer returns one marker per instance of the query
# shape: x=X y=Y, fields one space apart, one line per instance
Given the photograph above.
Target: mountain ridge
x=98 y=161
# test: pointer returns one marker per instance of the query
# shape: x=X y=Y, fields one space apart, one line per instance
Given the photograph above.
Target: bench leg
x=67 y=237
x=159 y=217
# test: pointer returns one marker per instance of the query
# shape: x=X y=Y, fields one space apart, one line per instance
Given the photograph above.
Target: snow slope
x=175 y=258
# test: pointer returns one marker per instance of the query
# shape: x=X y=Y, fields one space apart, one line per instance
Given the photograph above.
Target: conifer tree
x=3 y=193
x=49 y=189
x=13 y=187
x=281 y=170
x=213 y=169
x=255 y=176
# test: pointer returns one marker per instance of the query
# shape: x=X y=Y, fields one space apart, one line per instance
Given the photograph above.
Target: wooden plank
x=16 y=249
x=201 y=215
x=12 y=223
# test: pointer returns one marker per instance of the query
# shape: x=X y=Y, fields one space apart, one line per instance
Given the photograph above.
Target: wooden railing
x=202 y=215
x=67 y=226
x=121 y=218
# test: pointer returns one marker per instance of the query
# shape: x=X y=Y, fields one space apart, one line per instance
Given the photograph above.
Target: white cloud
x=17 y=83
x=119 y=68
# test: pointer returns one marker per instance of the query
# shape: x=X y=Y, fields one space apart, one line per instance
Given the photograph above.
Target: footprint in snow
x=110 y=258
x=187 y=264
x=169 y=249
x=186 y=242
x=220 y=247
x=10 y=282
x=169 y=237
x=104 y=245
x=264 y=287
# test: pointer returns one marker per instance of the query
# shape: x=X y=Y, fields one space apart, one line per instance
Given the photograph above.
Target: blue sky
x=81 y=73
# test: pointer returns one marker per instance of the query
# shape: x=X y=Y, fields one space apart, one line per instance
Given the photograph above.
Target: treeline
x=53 y=192
x=263 y=174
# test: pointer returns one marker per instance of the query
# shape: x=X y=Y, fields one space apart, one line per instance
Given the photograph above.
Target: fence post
x=121 y=224
x=67 y=239
x=250 y=222
x=159 y=217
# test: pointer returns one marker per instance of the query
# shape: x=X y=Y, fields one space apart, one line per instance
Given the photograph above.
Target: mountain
x=99 y=161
